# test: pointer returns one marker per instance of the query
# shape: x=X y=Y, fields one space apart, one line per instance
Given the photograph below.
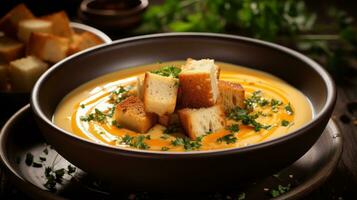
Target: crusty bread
x=130 y=114
x=83 y=41
x=169 y=119
x=198 y=84
x=10 y=49
x=3 y=75
x=190 y=63
x=24 y=72
x=47 y=47
x=198 y=122
x=160 y=93
x=9 y=23
x=61 y=26
x=231 y=95
x=27 y=26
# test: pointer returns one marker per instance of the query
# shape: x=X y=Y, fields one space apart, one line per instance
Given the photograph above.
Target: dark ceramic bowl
x=15 y=100
x=183 y=171
x=112 y=14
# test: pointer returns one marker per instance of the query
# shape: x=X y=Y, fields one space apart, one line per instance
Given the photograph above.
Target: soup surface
x=275 y=109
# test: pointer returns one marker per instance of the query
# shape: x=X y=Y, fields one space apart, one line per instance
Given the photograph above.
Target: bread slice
x=160 y=93
x=169 y=119
x=10 y=49
x=231 y=95
x=27 y=26
x=61 y=26
x=83 y=41
x=24 y=72
x=199 y=84
x=48 y=47
x=130 y=114
x=198 y=122
x=9 y=23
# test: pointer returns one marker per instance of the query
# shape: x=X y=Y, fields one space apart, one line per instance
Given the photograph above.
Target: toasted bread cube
x=83 y=41
x=28 y=26
x=198 y=122
x=169 y=119
x=47 y=47
x=231 y=95
x=140 y=87
x=190 y=63
x=3 y=75
x=199 y=84
x=10 y=49
x=160 y=93
x=9 y=23
x=61 y=26
x=130 y=114
x=24 y=72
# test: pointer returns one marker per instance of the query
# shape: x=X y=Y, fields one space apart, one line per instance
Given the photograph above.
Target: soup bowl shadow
x=142 y=170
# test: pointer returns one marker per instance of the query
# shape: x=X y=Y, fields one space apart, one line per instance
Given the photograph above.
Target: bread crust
x=9 y=23
x=83 y=41
x=130 y=113
x=61 y=25
x=231 y=95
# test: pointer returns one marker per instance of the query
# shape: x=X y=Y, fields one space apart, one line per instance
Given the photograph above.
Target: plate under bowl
x=183 y=171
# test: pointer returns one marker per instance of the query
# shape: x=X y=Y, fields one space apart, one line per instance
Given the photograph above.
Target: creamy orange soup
x=280 y=109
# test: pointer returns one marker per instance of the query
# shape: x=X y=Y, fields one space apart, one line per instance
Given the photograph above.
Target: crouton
x=198 y=84
x=3 y=75
x=130 y=114
x=160 y=93
x=169 y=119
x=192 y=62
x=140 y=87
x=10 y=49
x=61 y=26
x=26 y=27
x=83 y=41
x=47 y=47
x=231 y=95
x=24 y=72
x=9 y=23
x=198 y=122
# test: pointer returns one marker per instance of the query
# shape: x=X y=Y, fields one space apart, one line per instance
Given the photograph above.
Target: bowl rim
x=112 y=13
x=328 y=106
x=76 y=26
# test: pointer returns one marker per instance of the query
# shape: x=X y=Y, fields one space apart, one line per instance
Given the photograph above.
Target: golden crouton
x=26 y=27
x=198 y=122
x=24 y=72
x=9 y=23
x=48 y=47
x=169 y=119
x=61 y=26
x=83 y=41
x=10 y=49
x=231 y=95
x=130 y=114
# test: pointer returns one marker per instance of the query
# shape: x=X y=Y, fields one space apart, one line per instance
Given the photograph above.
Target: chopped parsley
x=254 y=100
x=119 y=95
x=239 y=114
x=275 y=104
x=280 y=190
x=97 y=116
x=285 y=122
x=187 y=143
x=116 y=124
x=83 y=106
x=233 y=128
x=229 y=139
x=137 y=142
x=165 y=148
x=169 y=71
x=289 y=109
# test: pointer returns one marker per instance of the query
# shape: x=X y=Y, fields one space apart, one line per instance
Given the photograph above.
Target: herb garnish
x=289 y=109
x=165 y=148
x=233 y=128
x=285 y=122
x=116 y=124
x=119 y=95
x=229 y=139
x=169 y=71
x=274 y=104
x=280 y=190
x=239 y=114
x=187 y=143
x=255 y=99
x=97 y=116
x=137 y=142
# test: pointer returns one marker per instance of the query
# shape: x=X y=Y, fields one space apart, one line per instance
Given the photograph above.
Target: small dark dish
x=112 y=14
x=305 y=175
x=183 y=171
x=15 y=100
